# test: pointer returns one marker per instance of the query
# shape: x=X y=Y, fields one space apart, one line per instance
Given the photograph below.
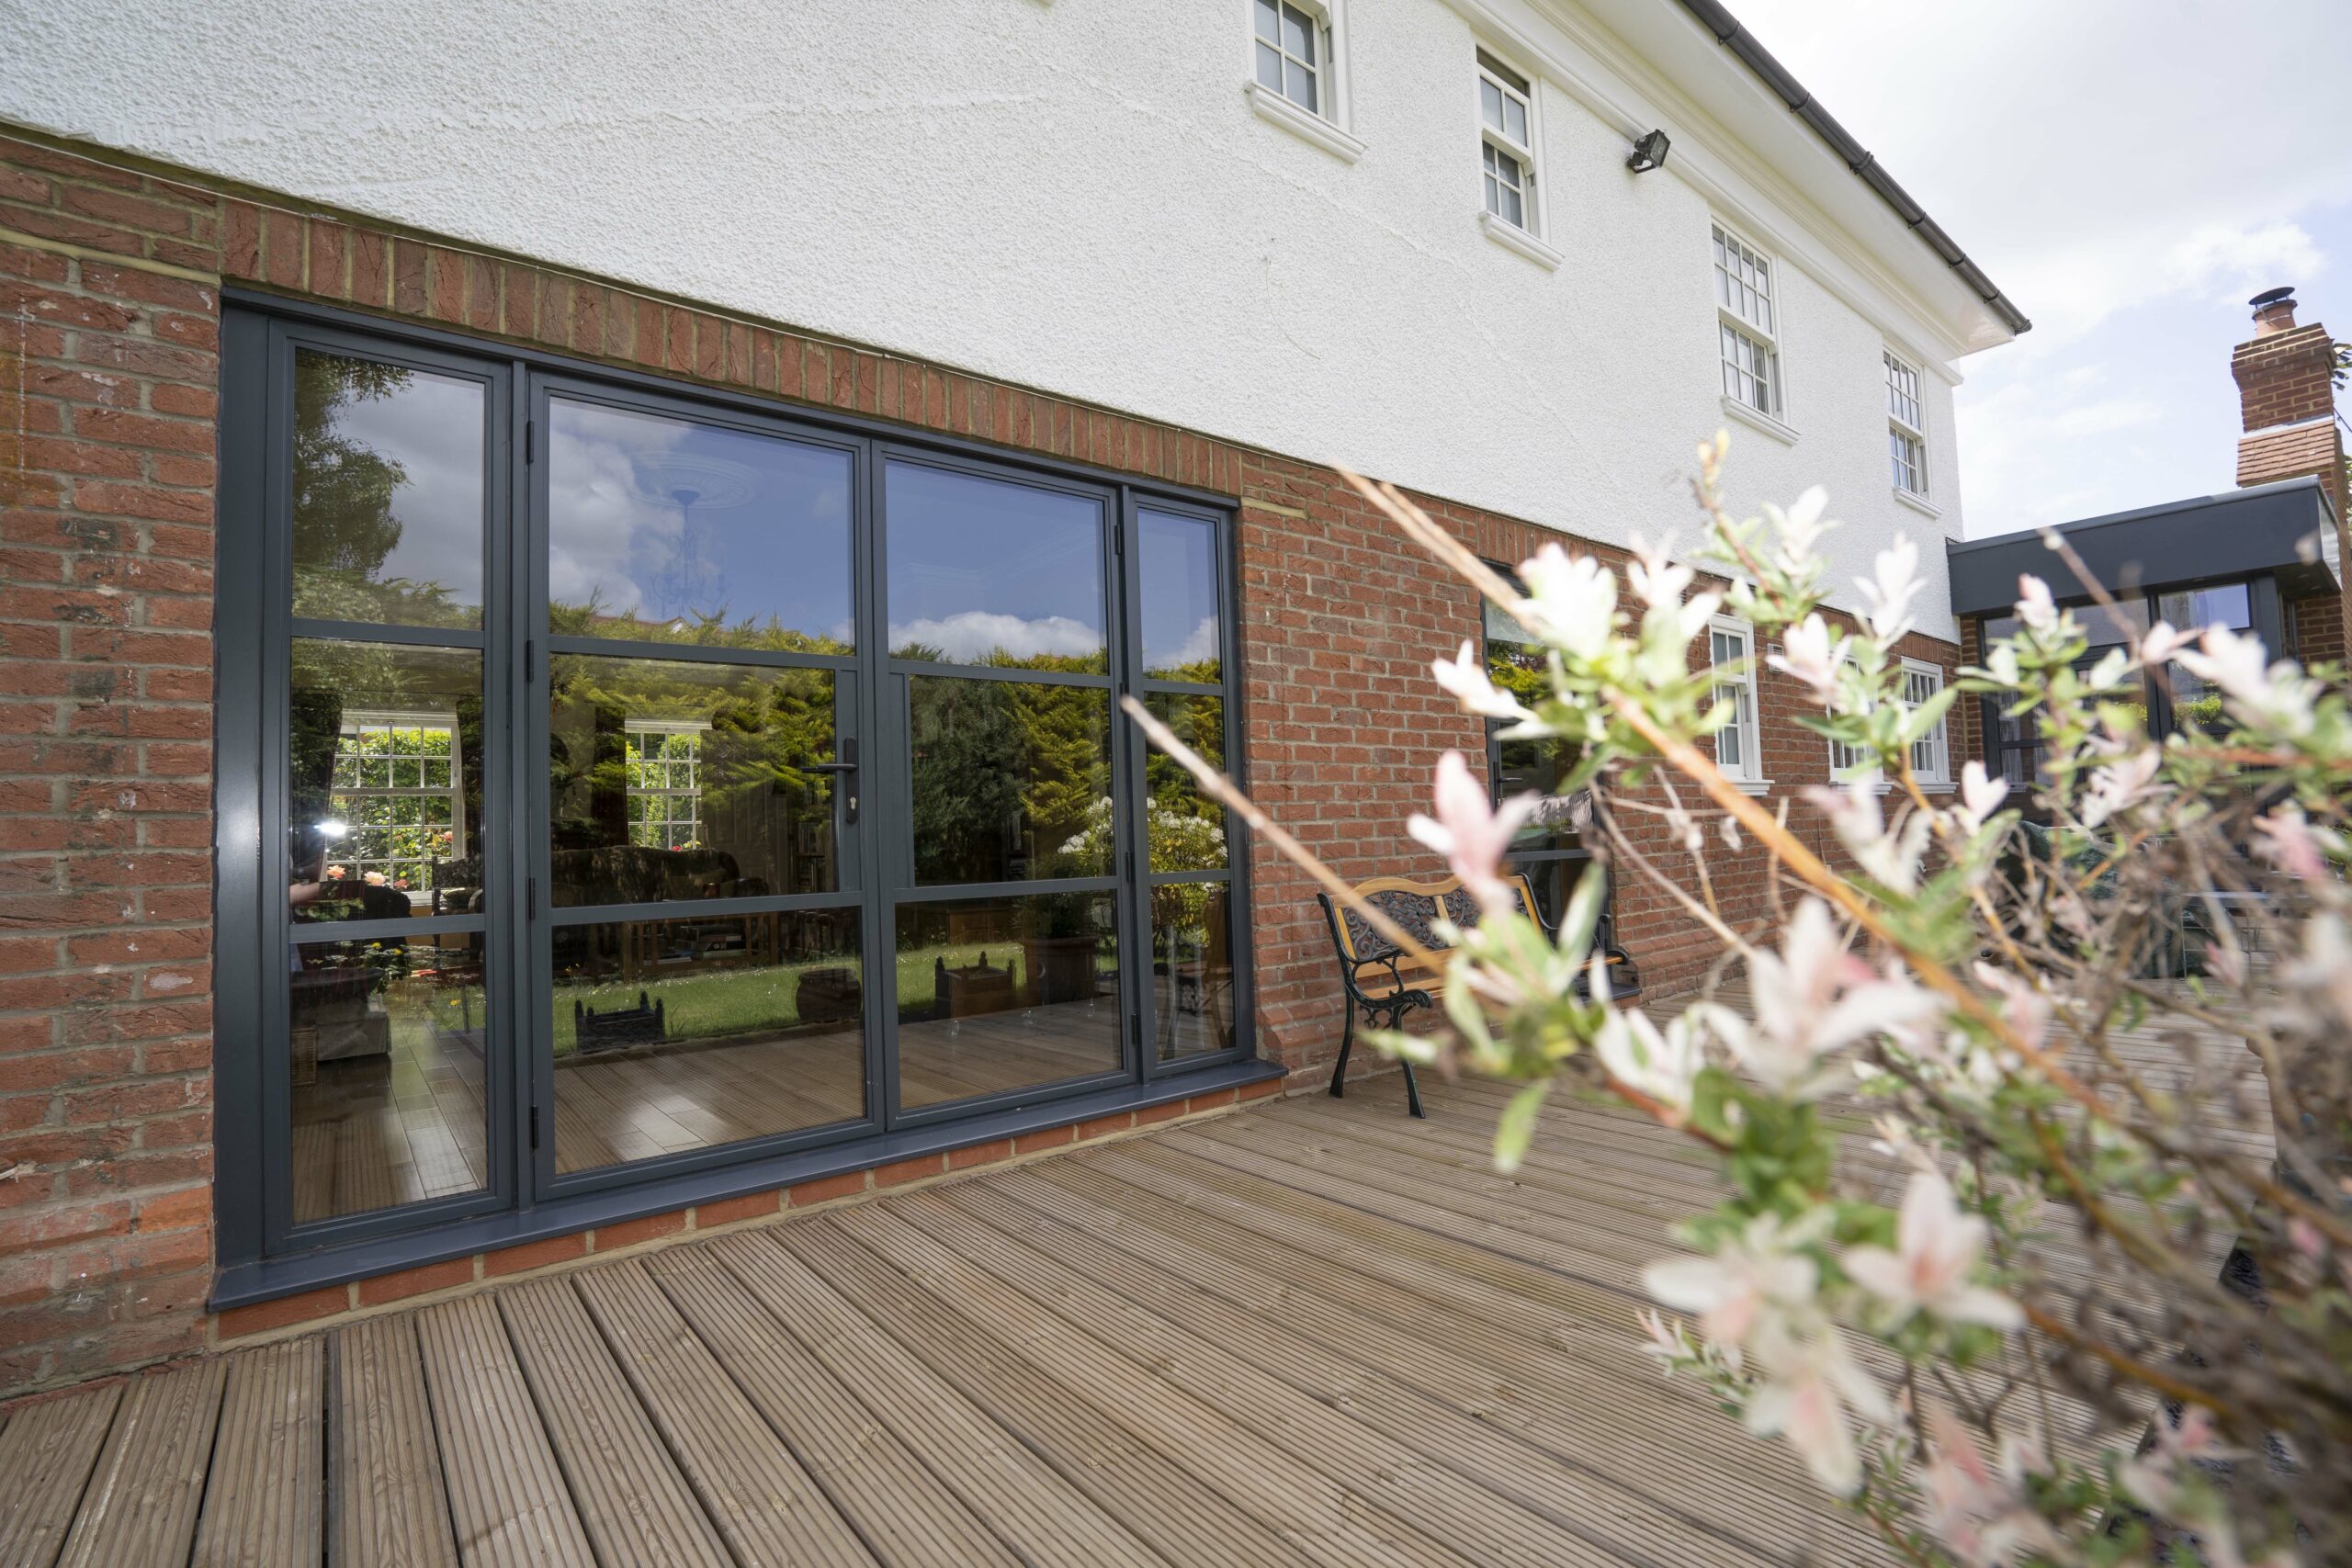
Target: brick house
x=560 y=662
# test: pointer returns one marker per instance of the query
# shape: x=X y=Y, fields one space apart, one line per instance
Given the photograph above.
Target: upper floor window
x=1295 y=54
x=1931 y=754
x=1506 y=118
x=1731 y=644
x=1749 y=323
x=1907 y=427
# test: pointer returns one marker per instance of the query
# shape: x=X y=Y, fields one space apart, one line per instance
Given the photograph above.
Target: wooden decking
x=1314 y=1332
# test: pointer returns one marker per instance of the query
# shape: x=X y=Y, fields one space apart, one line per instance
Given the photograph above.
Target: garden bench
x=1388 y=983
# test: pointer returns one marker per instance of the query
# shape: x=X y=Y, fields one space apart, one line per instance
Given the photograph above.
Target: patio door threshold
x=246 y=1283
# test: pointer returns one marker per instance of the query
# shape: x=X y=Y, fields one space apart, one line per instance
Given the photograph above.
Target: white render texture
x=1076 y=195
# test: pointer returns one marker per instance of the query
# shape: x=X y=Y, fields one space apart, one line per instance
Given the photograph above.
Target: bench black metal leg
x=1347 y=1044
x=1413 y=1092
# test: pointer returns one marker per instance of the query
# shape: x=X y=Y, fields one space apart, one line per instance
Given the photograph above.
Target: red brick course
x=108 y=385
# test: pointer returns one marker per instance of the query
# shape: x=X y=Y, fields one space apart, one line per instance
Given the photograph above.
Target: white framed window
x=1297 y=76
x=1294 y=53
x=1747 y=325
x=398 y=794
x=1507 y=145
x=1906 y=428
x=664 y=761
x=1931 y=754
x=1739 y=745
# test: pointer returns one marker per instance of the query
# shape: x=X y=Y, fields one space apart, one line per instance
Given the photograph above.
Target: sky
x=2128 y=172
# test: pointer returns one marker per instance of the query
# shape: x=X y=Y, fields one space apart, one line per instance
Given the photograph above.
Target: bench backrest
x=1417 y=906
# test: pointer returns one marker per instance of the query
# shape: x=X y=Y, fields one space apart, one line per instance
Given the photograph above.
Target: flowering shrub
x=2020 y=1346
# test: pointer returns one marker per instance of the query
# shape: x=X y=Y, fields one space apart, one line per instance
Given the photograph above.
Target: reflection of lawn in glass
x=747 y=1001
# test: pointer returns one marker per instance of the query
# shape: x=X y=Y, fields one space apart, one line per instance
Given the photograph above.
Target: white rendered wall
x=1073 y=195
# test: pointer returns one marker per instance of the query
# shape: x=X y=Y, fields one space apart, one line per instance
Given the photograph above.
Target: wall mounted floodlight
x=1649 y=152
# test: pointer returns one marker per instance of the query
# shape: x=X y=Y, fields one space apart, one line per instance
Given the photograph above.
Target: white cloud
x=970 y=636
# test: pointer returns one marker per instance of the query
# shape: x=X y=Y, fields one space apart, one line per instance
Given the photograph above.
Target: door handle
x=847 y=765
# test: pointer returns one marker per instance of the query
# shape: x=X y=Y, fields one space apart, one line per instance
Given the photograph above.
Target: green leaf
x=1517 y=1126
x=1583 y=913
x=1926 y=716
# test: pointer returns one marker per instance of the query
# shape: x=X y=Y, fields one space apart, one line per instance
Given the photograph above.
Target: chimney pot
x=2274 y=311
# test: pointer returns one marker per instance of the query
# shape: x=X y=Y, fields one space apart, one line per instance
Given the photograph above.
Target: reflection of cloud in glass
x=1179 y=578
x=662 y=519
x=969 y=636
x=980 y=564
x=1198 y=647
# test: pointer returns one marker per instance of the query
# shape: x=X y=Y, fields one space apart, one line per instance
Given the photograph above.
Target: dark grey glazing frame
x=259 y=1260
x=2266 y=617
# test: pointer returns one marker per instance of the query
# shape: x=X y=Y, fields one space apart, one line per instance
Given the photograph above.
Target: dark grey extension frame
x=260 y=1252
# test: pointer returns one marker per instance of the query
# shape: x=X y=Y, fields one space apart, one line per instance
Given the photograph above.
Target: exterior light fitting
x=1649 y=152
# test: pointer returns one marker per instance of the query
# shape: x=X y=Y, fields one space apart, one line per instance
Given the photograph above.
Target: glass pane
x=367 y=837
x=1515 y=120
x=1540 y=767
x=669 y=531
x=1298 y=34
x=1187 y=828
x=1192 y=968
x=386 y=1044
x=983 y=571
x=1299 y=84
x=669 y=780
x=1514 y=211
x=1490 y=104
x=1269 y=28
x=997 y=994
x=1178 y=570
x=1270 y=68
x=388 y=493
x=675 y=1035
x=1011 y=780
x=2225 y=605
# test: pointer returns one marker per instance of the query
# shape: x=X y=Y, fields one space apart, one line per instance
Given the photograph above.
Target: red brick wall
x=110 y=309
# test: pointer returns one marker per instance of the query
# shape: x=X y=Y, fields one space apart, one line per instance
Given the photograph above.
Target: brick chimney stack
x=2287 y=395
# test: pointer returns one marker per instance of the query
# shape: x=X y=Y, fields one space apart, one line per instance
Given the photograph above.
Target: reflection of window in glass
x=386 y=492
x=666 y=530
x=985 y=571
x=1751 y=355
x=398 y=797
x=1931 y=754
x=1738 y=746
x=664 y=790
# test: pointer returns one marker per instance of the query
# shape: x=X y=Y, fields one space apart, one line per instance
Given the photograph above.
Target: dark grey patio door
x=1008 y=929
x=701 y=952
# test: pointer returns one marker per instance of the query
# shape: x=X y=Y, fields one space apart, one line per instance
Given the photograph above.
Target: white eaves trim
x=1303 y=123
x=1511 y=237
x=1757 y=419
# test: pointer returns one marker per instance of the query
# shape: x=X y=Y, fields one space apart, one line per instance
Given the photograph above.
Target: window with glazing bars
x=1751 y=355
x=1504 y=112
x=1930 y=754
x=397 y=805
x=1737 y=749
x=664 y=785
x=1294 y=49
x=1906 y=441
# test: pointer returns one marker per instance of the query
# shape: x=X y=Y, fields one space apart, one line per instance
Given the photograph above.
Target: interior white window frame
x=1767 y=338
x=1746 y=694
x=1327 y=124
x=1939 y=776
x=1914 y=430
x=1844 y=759
x=668 y=794
x=359 y=720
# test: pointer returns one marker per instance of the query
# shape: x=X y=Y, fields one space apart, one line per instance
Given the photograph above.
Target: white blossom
x=1654 y=577
x=1734 y=1290
x=2118 y=786
x=1798 y=530
x=1471 y=834
x=2034 y=607
x=1812 y=998
x=1572 y=600
x=2278 y=697
x=1465 y=678
x=2159 y=642
x=1891 y=859
x=1980 y=797
x=1811 y=654
x=1807 y=1382
x=1937 y=1248
x=1894 y=582
x=1661 y=1064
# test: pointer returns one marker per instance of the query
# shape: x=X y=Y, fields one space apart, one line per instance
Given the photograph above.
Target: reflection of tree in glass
x=344 y=526
x=1006 y=768
x=711 y=630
